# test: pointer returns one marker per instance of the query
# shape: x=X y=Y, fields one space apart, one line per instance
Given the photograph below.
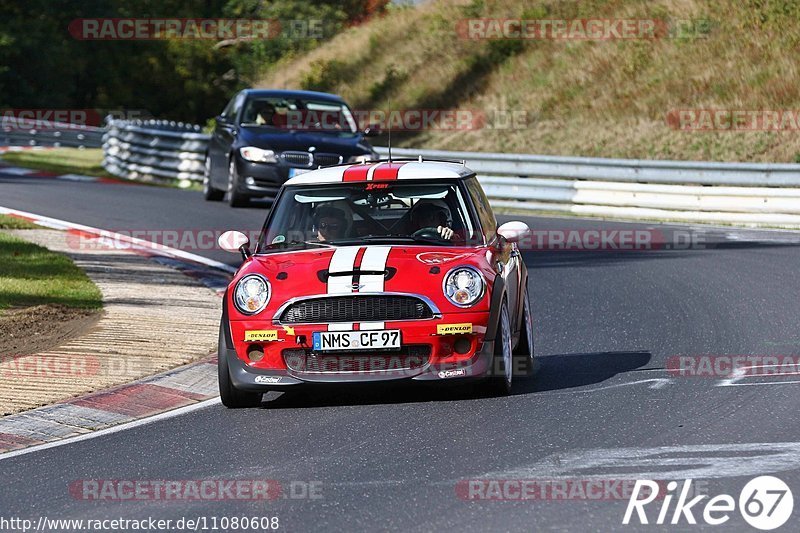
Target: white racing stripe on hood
x=374 y=260
x=343 y=260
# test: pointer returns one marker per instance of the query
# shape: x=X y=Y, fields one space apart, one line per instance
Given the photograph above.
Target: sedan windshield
x=431 y=213
x=295 y=114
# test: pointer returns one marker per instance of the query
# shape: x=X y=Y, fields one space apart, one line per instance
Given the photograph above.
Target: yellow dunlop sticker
x=450 y=329
x=261 y=335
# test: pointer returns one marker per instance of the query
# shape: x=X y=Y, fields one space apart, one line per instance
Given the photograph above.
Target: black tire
x=235 y=198
x=232 y=397
x=209 y=192
x=524 y=352
x=500 y=380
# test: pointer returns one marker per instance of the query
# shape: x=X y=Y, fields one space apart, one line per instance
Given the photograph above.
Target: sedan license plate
x=377 y=339
x=297 y=171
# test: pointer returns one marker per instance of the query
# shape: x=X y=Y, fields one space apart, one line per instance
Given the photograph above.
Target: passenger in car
x=329 y=223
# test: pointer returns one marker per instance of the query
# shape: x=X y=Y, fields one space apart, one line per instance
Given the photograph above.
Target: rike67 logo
x=765 y=503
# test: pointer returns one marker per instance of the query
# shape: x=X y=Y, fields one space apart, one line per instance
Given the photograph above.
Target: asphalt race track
x=602 y=406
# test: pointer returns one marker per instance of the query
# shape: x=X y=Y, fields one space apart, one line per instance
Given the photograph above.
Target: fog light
x=250 y=181
x=462 y=345
x=255 y=352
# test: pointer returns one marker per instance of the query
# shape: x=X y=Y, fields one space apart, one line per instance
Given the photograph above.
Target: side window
x=231 y=110
x=228 y=111
x=485 y=214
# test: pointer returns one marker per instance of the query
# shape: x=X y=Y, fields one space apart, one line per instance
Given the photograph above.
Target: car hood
x=408 y=269
x=303 y=141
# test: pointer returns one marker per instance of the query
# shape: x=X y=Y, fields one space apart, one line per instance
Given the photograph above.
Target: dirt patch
x=39 y=328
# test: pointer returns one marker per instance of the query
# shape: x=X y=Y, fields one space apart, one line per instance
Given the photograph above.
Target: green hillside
x=608 y=98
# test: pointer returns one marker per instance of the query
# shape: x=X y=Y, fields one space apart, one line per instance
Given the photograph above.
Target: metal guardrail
x=754 y=194
x=155 y=150
x=687 y=191
x=56 y=134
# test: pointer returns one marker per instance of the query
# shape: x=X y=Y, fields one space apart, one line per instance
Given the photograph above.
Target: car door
x=507 y=257
x=222 y=139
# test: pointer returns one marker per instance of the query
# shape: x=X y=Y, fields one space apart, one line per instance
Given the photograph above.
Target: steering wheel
x=427 y=233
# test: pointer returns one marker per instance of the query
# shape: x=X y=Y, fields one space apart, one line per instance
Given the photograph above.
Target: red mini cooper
x=375 y=272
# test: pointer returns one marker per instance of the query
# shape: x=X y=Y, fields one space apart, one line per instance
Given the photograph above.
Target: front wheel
x=499 y=384
x=523 y=354
x=209 y=192
x=231 y=396
x=235 y=198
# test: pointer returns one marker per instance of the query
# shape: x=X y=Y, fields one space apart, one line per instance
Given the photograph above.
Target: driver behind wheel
x=433 y=216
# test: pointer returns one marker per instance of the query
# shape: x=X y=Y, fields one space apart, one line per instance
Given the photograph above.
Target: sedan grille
x=324 y=160
x=356 y=309
x=298 y=159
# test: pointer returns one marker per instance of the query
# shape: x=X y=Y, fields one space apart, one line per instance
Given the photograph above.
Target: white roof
x=380 y=171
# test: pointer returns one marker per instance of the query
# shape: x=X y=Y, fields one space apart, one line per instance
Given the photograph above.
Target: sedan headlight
x=258 y=155
x=464 y=286
x=251 y=294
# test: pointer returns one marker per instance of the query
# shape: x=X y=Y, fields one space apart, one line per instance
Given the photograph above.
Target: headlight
x=251 y=294
x=258 y=155
x=464 y=286
x=363 y=158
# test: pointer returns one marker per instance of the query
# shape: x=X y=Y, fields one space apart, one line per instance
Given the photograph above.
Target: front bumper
x=443 y=363
x=260 y=179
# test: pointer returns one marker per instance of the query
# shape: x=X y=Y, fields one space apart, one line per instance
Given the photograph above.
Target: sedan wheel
x=235 y=198
x=209 y=192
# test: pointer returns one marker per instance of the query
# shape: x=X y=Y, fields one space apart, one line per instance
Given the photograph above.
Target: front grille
x=324 y=160
x=409 y=357
x=356 y=308
x=298 y=159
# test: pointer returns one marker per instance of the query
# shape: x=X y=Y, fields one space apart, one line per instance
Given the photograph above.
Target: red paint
x=386 y=171
x=139 y=400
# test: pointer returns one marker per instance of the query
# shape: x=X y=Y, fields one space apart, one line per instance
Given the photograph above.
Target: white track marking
x=703 y=461
x=114 y=429
x=147 y=245
x=742 y=373
x=16 y=171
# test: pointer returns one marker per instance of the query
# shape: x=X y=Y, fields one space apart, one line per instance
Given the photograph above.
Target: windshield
x=295 y=114
x=375 y=212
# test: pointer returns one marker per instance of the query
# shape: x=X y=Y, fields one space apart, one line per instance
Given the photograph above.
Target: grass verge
x=32 y=275
x=88 y=162
x=7 y=222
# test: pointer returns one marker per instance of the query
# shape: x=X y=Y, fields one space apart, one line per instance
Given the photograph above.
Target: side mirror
x=221 y=119
x=373 y=130
x=235 y=241
x=514 y=231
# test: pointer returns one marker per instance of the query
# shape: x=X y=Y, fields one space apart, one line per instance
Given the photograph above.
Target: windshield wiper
x=296 y=243
x=390 y=238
